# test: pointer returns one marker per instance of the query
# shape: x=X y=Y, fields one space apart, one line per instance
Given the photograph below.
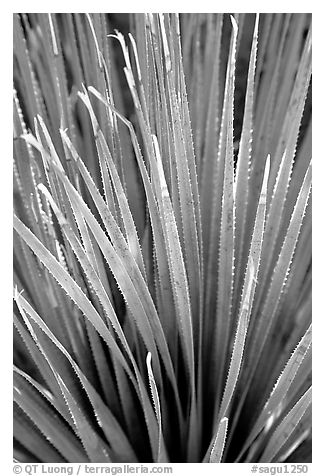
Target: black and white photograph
x=162 y=219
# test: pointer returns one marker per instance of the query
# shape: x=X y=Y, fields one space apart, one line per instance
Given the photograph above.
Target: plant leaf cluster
x=162 y=252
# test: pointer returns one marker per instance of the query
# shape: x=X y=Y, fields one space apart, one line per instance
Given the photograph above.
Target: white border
x=318 y=193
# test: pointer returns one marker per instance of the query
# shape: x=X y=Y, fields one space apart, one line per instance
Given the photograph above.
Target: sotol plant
x=162 y=253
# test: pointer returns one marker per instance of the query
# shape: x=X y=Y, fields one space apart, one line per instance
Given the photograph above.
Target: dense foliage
x=162 y=251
